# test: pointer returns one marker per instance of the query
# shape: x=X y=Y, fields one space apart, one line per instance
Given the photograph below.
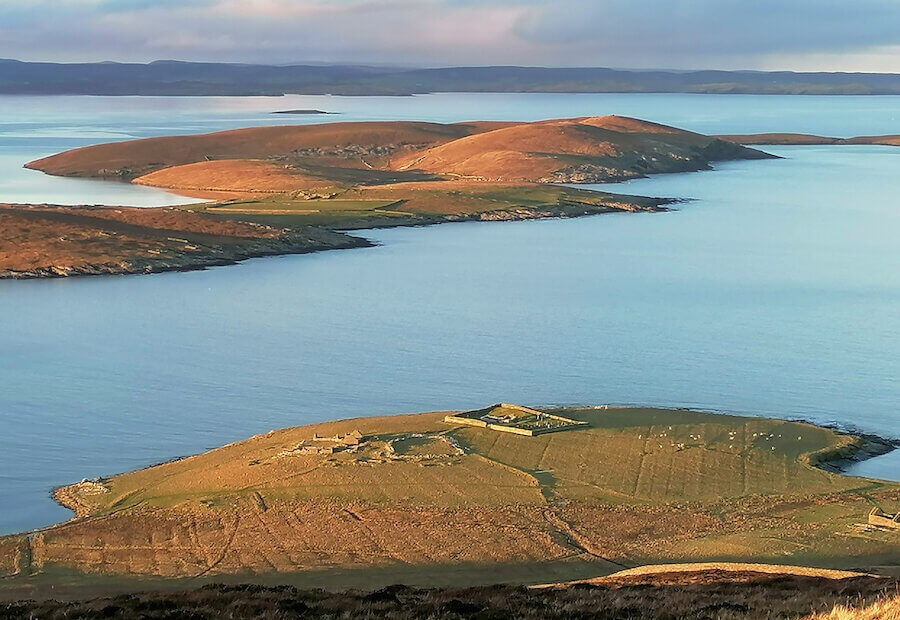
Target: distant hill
x=580 y=150
x=194 y=78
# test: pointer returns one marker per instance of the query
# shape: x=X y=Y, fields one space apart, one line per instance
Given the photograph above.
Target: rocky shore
x=196 y=259
x=57 y=242
x=48 y=241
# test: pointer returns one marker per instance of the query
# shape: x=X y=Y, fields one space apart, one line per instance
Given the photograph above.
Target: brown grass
x=136 y=158
x=886 y=609
x=623 y=124
x=62 y=240
x=244 y=176
x=718 y=596
x=604 y=147
x=576 y=150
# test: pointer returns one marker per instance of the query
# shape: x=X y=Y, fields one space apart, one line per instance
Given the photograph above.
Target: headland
x=425 y=500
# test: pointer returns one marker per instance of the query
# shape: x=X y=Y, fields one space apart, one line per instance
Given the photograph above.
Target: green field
x=428 y=203
x=286 y=205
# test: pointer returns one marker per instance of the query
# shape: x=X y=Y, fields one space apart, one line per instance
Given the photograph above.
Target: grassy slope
x=134 y=158
x=624 y=455
x=636 y=486
x=40 y=241
x=425 y=203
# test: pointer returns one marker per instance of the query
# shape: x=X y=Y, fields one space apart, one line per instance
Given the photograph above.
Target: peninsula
x=280 y=190
x=437 y=498
x=803 y=139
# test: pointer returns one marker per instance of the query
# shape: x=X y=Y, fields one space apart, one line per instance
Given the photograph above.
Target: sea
x=771 y=289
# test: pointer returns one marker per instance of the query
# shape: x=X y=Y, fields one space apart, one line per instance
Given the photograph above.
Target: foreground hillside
x=424 y=501
x=715 y=594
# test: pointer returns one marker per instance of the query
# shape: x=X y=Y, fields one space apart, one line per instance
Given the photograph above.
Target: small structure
x=329 y=445
x=514 y=419
x=350 y=439
x=885 y=520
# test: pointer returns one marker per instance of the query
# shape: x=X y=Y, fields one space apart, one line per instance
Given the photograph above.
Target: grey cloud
x=623 y=33
x=715 y=26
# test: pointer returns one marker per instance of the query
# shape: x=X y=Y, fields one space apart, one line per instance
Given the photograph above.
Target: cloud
x=714 y=27
x=622 y=33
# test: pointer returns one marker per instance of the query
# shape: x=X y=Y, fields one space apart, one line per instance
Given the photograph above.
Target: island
x=803 y=139
x=178 y=78
x=303 y=111
x=465 y=498
x=281 y=190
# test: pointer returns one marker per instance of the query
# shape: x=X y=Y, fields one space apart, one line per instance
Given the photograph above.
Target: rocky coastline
x=199 y=259
x=177 y=254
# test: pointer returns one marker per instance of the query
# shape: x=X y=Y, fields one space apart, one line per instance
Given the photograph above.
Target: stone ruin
x=881 y=519
x=349 y=442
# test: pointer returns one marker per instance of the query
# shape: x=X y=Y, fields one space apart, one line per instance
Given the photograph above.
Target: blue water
x=776 y=291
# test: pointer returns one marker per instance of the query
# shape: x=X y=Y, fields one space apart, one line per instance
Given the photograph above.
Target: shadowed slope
x=721 y=596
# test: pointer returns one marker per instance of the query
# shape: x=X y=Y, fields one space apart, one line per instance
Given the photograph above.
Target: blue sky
x=852 y=35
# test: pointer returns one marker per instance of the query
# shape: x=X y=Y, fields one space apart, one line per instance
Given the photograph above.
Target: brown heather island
x=427 y=500
x=285 y=190
x=802 y=139
x=280 y=190
x=51 y=241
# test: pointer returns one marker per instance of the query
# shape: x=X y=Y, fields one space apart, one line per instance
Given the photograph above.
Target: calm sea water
x=776 y=291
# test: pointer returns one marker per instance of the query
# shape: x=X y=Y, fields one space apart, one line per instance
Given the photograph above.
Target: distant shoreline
x=237 y=80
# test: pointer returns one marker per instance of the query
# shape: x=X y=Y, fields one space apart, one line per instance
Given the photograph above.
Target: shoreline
x=867 y=446
x=297 y=241
x=191 y=263
x=854 y=448
x=515 y=517
x=269 y=182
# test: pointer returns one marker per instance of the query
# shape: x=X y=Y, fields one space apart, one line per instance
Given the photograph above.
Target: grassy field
x=424 y=203
x=631 y=487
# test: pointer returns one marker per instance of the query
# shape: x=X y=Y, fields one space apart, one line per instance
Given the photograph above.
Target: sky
x=814 y=35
